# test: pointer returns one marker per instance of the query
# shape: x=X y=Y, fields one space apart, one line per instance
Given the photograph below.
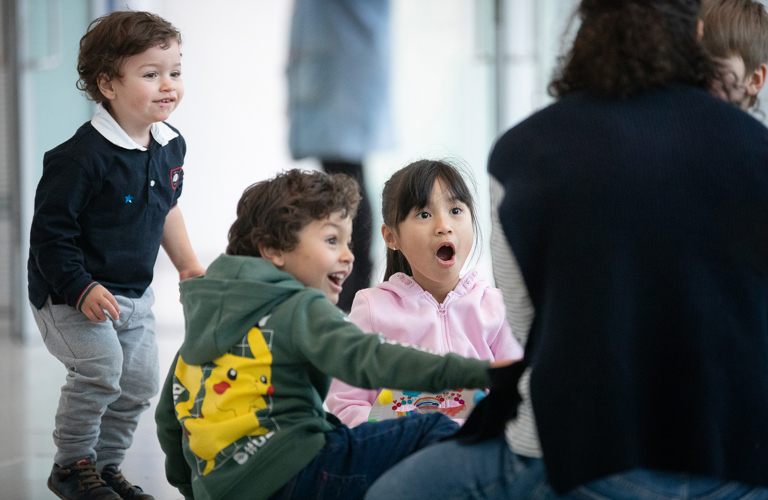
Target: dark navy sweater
x=641 y=229
x=99 y=216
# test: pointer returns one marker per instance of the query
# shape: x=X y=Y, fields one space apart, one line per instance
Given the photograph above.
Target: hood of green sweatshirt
x=222 y=306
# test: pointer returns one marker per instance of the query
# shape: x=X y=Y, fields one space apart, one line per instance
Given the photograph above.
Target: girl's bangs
x=419 y=186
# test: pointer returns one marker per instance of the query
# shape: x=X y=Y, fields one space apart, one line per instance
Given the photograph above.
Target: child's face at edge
x=436 y=240
x=738 y=86
x=148 y=90
x=322 y=259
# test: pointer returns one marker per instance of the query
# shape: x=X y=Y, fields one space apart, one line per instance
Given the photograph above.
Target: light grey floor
x=30 y=379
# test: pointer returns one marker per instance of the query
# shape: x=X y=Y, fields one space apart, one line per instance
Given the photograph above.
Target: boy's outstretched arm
x=339 y=349
x=176 y=244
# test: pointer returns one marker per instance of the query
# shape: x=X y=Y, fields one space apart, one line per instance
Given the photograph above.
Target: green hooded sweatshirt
x=241 y=411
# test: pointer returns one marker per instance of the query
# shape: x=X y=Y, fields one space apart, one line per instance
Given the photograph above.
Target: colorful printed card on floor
x=457 y=404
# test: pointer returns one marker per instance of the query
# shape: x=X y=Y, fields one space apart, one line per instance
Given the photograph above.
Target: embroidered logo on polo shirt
x=129 y=199
x=175 y=177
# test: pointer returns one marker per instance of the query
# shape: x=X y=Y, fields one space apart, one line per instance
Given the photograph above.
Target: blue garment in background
x=338 y=79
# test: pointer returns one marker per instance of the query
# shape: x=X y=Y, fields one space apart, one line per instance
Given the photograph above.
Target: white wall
x=234 y=111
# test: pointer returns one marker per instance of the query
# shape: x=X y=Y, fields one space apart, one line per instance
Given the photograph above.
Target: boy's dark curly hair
x=272 y=212
x=627 y=46
x=111 y=38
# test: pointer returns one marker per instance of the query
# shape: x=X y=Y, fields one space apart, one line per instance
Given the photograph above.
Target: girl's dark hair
x=411 y=187
x=111 y=38
x=627 y=46
x=272 y=212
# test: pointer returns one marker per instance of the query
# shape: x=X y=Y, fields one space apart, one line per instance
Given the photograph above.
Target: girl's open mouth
x=446 y=253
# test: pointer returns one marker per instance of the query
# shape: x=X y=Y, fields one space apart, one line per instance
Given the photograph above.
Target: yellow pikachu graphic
x=234 y=391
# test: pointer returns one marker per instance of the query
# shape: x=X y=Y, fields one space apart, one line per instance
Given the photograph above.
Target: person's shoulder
x=398 y=285
x=87 y=147
x=374 y=300
x=710 y=115
x=480 y=300
x=474 y=285
x=80 y=142
x=313 y=304
x=305 y=305
x=541 y=126
x=472 y=281
x=491 y=297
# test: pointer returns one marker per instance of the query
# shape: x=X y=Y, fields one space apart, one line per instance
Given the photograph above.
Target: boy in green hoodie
x=241 y=413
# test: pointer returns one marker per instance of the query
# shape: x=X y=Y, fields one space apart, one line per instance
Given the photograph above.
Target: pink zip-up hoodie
x=471 y=322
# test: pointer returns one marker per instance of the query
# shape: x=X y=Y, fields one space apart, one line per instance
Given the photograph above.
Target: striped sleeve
x=521 y=433
x=81 y=298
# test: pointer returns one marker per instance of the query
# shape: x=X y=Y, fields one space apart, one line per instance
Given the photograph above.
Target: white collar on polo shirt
x=114 y=133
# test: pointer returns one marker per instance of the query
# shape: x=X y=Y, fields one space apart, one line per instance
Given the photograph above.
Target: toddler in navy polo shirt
x=105 y=204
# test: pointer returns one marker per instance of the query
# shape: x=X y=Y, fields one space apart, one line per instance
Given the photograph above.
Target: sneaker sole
x=56 y=492
x=53 y=489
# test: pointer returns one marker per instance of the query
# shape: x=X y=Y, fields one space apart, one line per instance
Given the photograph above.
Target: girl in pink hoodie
x=429 y=228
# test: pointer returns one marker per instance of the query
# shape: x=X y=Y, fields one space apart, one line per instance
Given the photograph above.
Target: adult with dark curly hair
x=637 y=209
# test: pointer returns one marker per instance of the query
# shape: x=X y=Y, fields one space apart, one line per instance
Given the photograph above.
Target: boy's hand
x=192 y=272
x=98 y=301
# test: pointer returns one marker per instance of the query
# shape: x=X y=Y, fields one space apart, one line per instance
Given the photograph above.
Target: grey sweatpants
x=112 y=372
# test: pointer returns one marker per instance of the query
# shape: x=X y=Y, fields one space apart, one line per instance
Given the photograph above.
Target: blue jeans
x=352 y=459
x=490 y=470
x=657 y=485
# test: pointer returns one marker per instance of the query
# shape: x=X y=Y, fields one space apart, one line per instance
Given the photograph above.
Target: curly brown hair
x=272 y=212
x=111 y=38
x=627 y=46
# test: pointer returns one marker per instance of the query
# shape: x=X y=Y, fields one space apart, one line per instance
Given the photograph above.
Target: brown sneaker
x=117 y=481
x=80 y=482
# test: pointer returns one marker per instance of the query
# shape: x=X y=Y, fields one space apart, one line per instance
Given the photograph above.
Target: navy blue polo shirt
x=100 y=208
